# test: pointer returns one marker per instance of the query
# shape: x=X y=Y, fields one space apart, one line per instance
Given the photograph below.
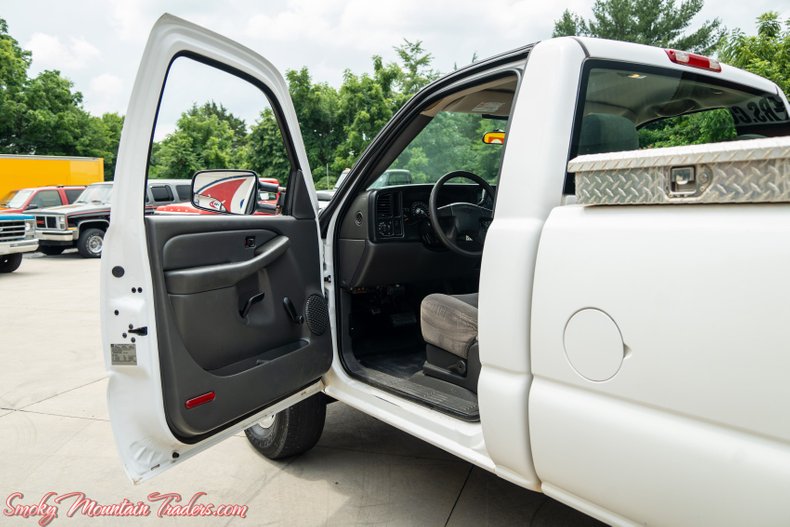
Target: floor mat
x=401 y=363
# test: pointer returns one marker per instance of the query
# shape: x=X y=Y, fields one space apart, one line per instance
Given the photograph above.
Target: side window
x=211 y=119
x=161 y=193
x=72 y=194
x=184 y=192
x=46 y=198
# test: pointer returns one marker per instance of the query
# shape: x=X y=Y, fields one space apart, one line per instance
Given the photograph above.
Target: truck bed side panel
x=690 y=421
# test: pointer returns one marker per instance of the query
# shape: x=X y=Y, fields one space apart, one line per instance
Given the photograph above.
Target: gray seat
x=449 y=322
x=602 y=133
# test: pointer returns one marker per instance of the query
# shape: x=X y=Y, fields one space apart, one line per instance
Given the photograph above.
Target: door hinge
x=143 y=331
x=328 y=279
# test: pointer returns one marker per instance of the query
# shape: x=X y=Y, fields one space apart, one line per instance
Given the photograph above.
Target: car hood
x=74 y=208
x=10 y=211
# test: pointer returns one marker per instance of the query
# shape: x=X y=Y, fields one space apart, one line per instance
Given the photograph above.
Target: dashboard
x=386 y=237
x=402 y=213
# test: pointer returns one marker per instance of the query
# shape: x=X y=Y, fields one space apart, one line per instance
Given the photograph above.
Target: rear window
x=161 y=193
x=632 y=107
x=184 y=192
x=72 y=194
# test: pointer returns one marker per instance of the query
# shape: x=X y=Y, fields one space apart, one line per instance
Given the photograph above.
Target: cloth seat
x=449 y=322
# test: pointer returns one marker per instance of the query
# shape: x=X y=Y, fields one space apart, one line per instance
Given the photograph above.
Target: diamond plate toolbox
x=750 y=171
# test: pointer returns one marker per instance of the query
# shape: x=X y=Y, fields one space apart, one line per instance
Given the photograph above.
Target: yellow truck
x=18 y=171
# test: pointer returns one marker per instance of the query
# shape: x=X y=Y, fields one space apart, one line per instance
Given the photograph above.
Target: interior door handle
x=254 y=299
x=218 y=276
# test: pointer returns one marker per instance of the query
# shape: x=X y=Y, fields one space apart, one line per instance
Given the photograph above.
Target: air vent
x=385 y=206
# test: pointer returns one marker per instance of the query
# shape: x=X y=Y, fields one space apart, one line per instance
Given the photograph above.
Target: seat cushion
x=450 y=322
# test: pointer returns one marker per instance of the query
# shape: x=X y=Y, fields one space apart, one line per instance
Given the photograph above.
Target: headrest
x=603 y=132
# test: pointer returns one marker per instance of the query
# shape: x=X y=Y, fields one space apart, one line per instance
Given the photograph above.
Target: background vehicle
x=18 y=171
x=17 y=236
x=83 y=223
x=26 y=199
x=625 y=360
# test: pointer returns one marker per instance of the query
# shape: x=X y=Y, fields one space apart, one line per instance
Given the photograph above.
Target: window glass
x=184 y=192
x=15 y=199
x=636 y=107
x=72 y=194
x=46 y=198
x=161 y=193
x=450 y=141
x=220 y=122
x=96 y=194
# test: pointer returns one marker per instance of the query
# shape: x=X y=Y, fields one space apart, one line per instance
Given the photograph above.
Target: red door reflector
x=200 y=399
x=692 y=59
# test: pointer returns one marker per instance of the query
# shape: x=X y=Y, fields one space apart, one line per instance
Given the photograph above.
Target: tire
x=51 y=250
x=90 y=243
x=291 y=432
x=10 y=262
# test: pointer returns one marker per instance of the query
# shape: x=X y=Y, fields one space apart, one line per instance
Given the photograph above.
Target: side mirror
x=225 y=191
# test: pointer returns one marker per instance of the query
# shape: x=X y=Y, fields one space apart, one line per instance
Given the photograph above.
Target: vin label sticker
x=123 y=354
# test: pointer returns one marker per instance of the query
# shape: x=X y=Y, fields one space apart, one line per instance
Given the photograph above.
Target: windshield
x=96 y=194
x=15 y=199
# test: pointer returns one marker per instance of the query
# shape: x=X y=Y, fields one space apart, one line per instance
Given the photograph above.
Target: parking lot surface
x=55 y=436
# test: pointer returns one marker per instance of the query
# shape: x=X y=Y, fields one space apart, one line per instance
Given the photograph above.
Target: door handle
x=254 y=299
x=208 y=277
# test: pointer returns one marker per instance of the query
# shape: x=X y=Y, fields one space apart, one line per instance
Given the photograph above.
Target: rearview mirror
x=228 y=191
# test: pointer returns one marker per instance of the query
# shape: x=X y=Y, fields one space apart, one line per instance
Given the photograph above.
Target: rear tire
x=291 y=432
x=91 y=243
x=51 y=250
x=10 y=262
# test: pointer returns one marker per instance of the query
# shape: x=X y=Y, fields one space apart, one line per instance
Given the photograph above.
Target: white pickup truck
x=574 y=311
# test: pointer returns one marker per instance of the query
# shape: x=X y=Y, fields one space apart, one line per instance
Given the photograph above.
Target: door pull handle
x=250 y=302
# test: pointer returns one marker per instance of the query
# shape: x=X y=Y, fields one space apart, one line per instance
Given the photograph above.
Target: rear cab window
x=72 y=194
x=632 y=107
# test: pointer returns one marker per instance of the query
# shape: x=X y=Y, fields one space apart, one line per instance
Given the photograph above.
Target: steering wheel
x=467 y=221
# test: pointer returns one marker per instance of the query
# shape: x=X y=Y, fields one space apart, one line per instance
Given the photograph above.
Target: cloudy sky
x=98 y=43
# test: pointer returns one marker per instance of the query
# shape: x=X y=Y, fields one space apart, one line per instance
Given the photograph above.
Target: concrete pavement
x=55 y=436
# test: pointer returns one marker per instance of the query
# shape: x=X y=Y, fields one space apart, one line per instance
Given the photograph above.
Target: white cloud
x=50 y=52
x=106 y=93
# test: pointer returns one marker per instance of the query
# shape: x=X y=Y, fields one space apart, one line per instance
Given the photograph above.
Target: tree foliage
x=767 y=53
x=660 y=23
x=43 y=115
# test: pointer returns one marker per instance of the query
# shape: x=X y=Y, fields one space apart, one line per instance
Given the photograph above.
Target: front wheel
x=291 y=432
x=10 y=262
x=90 y=243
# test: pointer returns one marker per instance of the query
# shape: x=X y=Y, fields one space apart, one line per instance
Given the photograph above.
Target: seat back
x=601 y=132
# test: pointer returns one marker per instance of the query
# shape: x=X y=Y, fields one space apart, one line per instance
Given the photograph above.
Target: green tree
x=766 y=54
x=206 y=136
x=266 y=153
x=659 y=23
x=317 y=109
x=14 y=63
x=416 y=71
x=53 y=121
x=101 y=140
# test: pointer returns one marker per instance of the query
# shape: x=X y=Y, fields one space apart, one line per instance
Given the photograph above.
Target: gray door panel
x=212 y=338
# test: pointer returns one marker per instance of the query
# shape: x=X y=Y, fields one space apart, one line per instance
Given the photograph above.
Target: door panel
x=247 y=361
